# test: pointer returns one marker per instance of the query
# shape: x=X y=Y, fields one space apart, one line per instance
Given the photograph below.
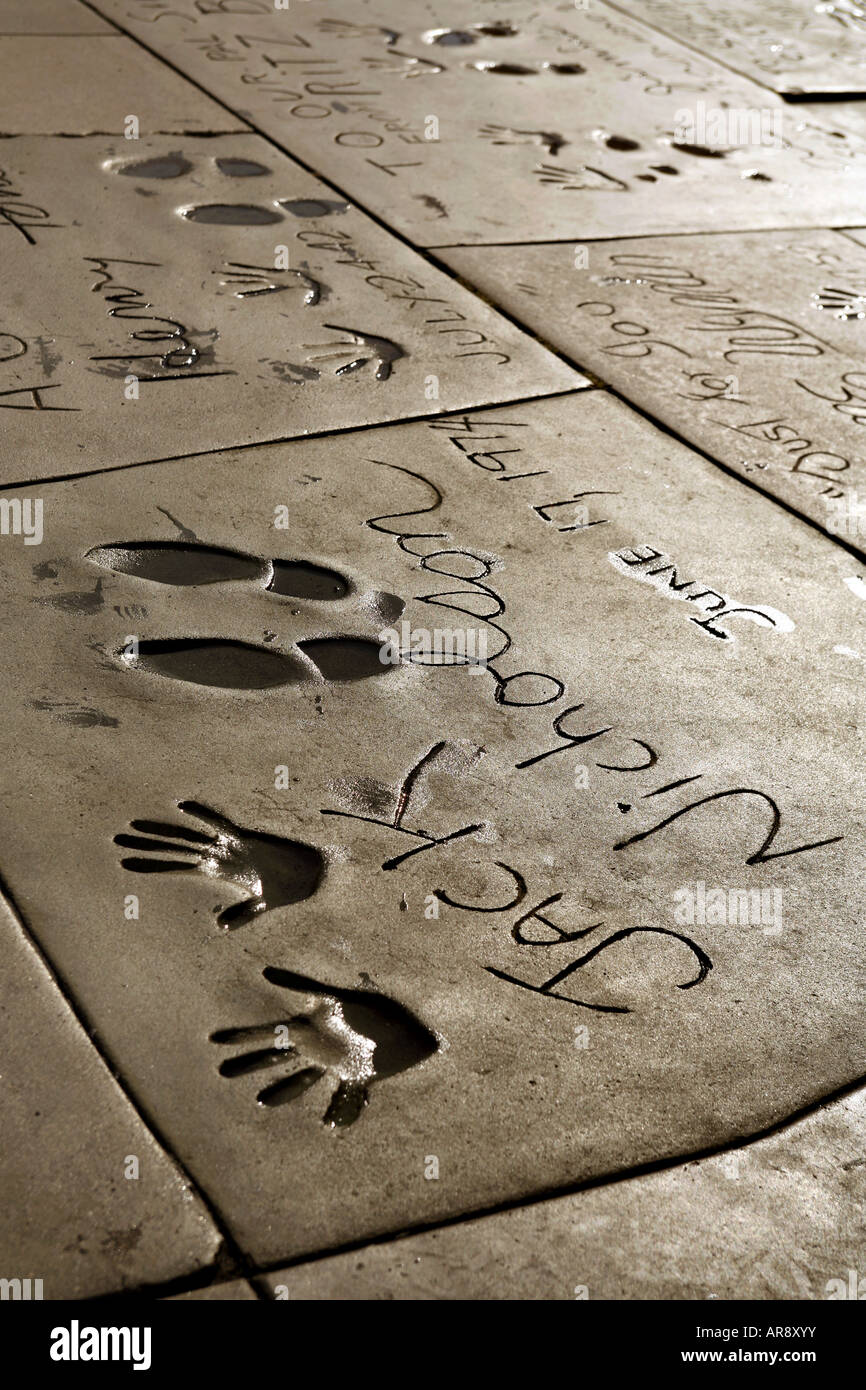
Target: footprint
x=457 y=38
x=496 y=29
x=273 y=871
x=352 y=1037
x=313 y=207
x=219 y=662
x=700 y=151
x=520 y=70
x=241 y=168
x=182 y=564
x=175 y=165
x=231 y=214
x=625 y=144
x=236 y=665
x=297 y=579
x=503 y=69
x=163 y=166
x=621 y=142
x=231 y=665
x=344 y=658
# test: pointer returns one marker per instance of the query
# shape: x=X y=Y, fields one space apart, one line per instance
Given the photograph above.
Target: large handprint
x=274 y=871
x=354 y=1037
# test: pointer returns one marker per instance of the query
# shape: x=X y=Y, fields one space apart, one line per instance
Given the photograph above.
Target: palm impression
x=273 y=871
x=348 y=1038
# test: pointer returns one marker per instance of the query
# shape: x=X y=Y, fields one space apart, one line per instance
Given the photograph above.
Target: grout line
x=610 y=1179
x=695 y=448
x=679 y=41
x=241 y=1267
x=424 y=253
x=337 y=432
x=731 y=472
x=795 y=99
x=228 y=1254
x=270 y=139
x=256 y=1274
x=641 y=236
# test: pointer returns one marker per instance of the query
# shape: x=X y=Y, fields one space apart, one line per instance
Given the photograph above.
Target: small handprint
x=354 y=1037
x=274 y=871
x=249 y=281
x=578 y=180
x=382 y=349
x=510 y=135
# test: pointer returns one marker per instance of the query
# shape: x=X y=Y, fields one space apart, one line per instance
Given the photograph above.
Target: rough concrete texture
x=792 y=46
x=780 y=1219
x=88 y=86
x=91 y=1203
x=210 y=292
x=50 y=18
x=749 y=346
x=589 y=817
x=561 y=119
x=432 y=566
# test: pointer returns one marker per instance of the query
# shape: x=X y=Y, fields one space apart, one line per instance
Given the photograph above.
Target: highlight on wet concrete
x=782 y=1218
x=51 y=18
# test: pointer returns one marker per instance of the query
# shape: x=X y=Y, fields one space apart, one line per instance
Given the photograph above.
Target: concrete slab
x=347 y=926
x=562 y=121
x=91 y=1202
x=207 y=293
x=792 y=46
x=780 y=1219
x=749 y=346
x=50 y=18
x=90 y=86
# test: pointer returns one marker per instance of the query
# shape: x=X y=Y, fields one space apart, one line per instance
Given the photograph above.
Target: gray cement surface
x=432 y=557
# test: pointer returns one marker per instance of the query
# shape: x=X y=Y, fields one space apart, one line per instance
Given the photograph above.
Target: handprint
x=509 y=135
x=411 y=66
x=274 y=871
x=384 y=351
x=354 y=1037
x=577 y=180
x=260 y=279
